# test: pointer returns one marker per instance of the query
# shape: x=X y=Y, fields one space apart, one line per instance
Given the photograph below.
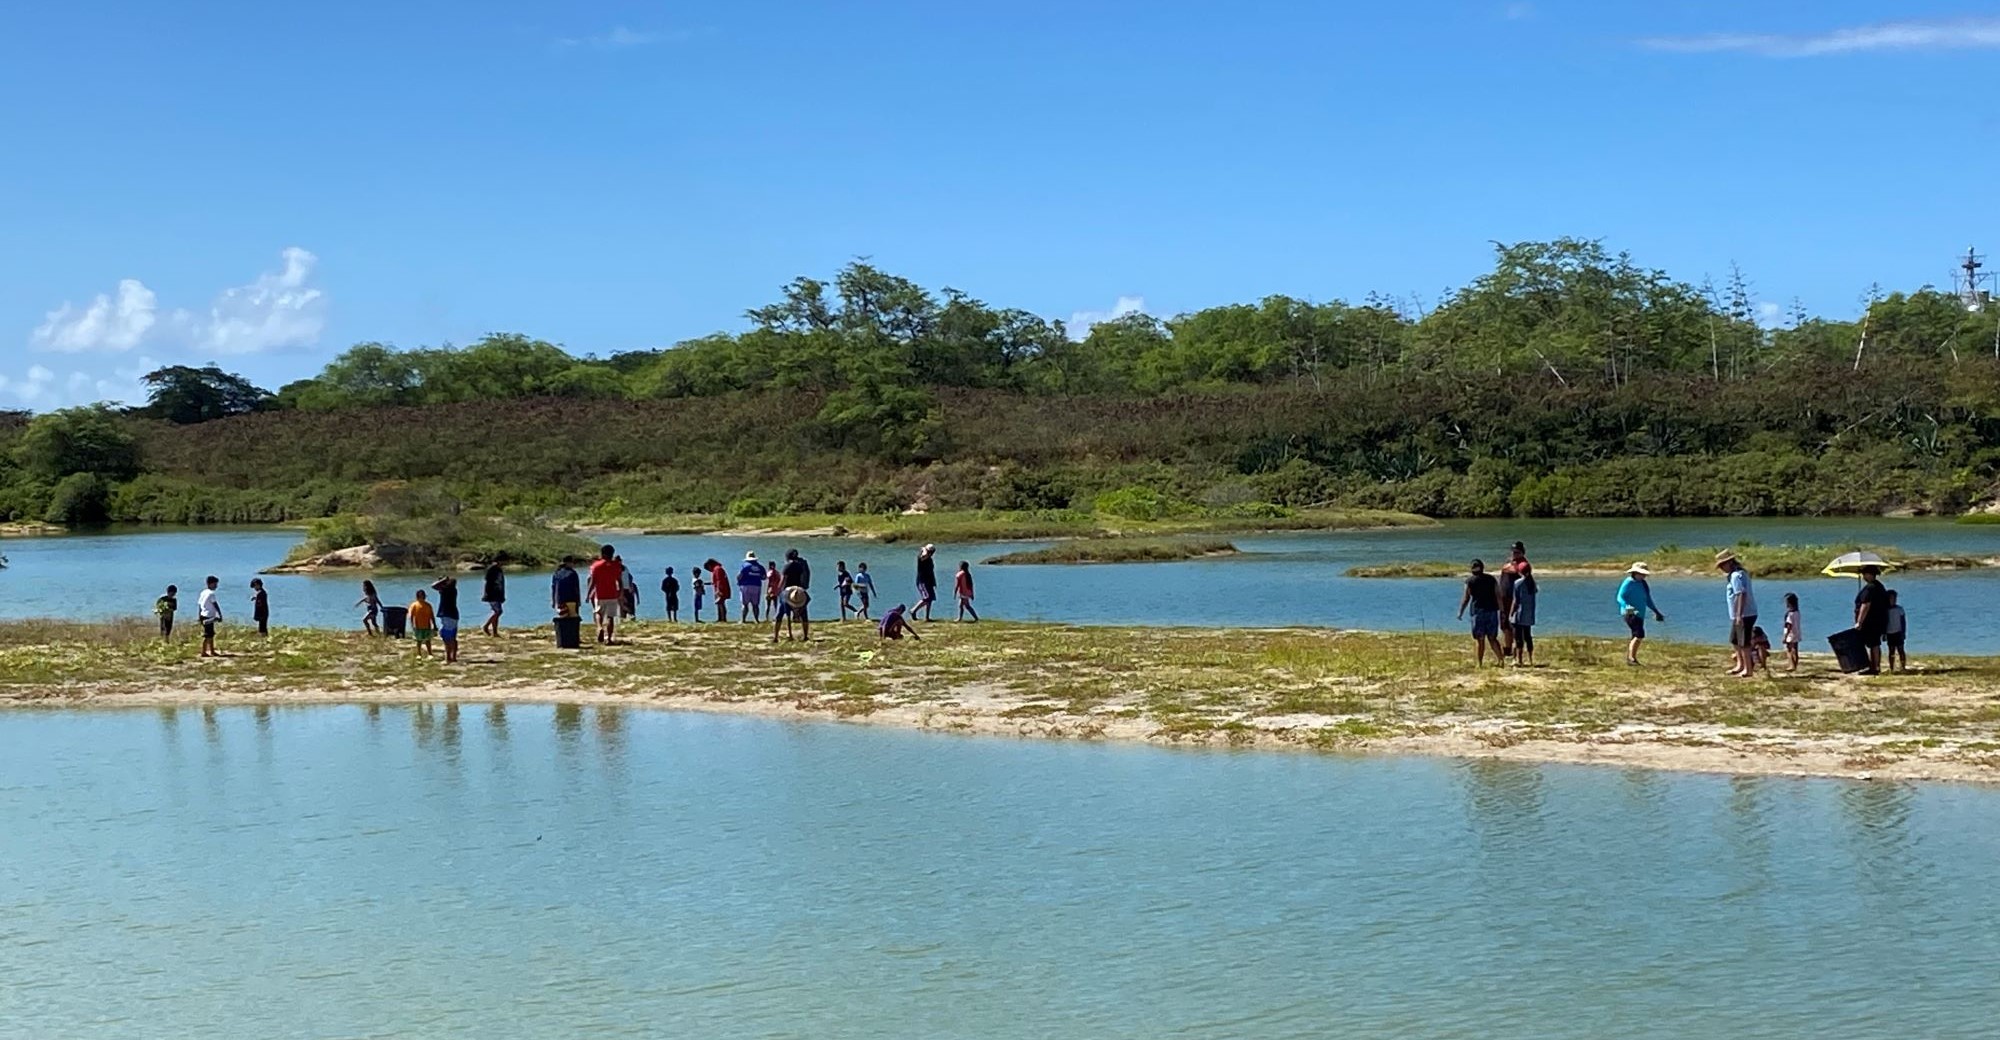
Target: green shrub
x=753 y=508
x=80 y=498
x=877 y=499
x=1132 y=503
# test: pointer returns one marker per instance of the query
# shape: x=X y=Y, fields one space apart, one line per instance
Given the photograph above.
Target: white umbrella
x=1849 y=565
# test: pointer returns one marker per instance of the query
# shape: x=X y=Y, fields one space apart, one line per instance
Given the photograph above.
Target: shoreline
x=1784 y=755
x=1279 y=689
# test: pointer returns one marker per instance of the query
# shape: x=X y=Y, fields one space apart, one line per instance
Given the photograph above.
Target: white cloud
x=1516 y=12
x=1914 y=35
x=42 y=388
x=106 y=324
x=1770 y=315
x=33 y=389
x=277 y=310
x=617 y=39
x=1080 y=322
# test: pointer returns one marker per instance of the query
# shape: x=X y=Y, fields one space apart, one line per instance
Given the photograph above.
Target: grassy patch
x=1311 y=687
x=1000 y=526
x=1120 y=550
x=1771 y=561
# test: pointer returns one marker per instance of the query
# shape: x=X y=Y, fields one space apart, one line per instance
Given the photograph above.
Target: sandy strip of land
x=989 y=711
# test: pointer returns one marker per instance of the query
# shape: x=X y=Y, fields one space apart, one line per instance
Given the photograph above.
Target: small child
x=1898 y=628
x=164 y=607
x=700 y=591
x=961 y=586
x=843 y=583
x=1791 y=636
x=260 y=607
x=670 y=590
x=423 y=623
x=864 y=585
x=372 y=608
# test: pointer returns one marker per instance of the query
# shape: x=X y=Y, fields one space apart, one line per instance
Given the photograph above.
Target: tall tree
x=181 y=394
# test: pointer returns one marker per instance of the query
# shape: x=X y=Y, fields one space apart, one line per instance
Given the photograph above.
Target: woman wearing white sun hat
x=1635 y=601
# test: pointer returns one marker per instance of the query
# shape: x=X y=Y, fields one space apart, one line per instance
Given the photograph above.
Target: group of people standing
x=208 y=611
x=1503 y=609
x=1878 y=619
x=780 y=591
x=1503 y=615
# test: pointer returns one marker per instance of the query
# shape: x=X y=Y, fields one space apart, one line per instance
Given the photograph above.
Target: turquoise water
x=556 y=872
x=1283 y=580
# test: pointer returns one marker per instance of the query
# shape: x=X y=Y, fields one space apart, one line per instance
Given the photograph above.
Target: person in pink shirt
x=961 y=586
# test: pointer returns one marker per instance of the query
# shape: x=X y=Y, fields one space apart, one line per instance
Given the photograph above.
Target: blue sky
x=262 y=185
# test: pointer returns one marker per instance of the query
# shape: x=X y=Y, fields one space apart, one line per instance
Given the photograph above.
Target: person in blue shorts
x=1482 y=595
x=447 y=616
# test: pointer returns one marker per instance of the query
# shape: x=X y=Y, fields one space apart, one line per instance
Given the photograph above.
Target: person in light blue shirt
x=1742 y=613
x=1635 y=601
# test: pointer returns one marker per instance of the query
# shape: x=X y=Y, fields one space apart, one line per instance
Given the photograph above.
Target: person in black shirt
x=1871 y=615
x=260 y=607
x=447 y=616
x=1482 y=595
x=926 y=581
x=495 y=598
x=794 y=580
x=670 y=590
x=566 y=589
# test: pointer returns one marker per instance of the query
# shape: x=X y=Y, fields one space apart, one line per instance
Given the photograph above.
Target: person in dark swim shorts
x=1482 y=595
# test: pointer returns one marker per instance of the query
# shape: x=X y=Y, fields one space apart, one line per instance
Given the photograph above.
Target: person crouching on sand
x=895 y=626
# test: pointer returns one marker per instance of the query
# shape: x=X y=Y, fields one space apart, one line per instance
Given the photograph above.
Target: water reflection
x=1503 y=800
x=449 y=732
x=1746 y=837
x=1879 y=833
x=569 y=723
x=496 y=723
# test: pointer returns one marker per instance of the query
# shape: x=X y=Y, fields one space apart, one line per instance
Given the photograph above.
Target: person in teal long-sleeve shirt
x=1635 y=601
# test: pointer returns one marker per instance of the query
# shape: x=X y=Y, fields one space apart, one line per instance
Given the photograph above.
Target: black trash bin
x=569 y=633
x=395 y=621
x=1849 y=650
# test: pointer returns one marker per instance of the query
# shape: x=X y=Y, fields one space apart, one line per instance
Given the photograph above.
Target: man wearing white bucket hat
x=1635 y=601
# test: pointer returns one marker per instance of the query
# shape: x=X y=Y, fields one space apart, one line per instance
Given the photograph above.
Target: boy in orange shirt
x=423 y=623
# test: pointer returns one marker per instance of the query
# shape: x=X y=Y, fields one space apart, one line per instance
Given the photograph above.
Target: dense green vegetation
x=1120 y=550
x=1567 y=381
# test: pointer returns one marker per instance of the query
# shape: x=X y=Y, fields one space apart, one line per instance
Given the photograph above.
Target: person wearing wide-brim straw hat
x=1742 y=613
x=1635 y=601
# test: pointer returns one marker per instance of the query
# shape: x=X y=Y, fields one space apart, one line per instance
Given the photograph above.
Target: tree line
x=1567 y=380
